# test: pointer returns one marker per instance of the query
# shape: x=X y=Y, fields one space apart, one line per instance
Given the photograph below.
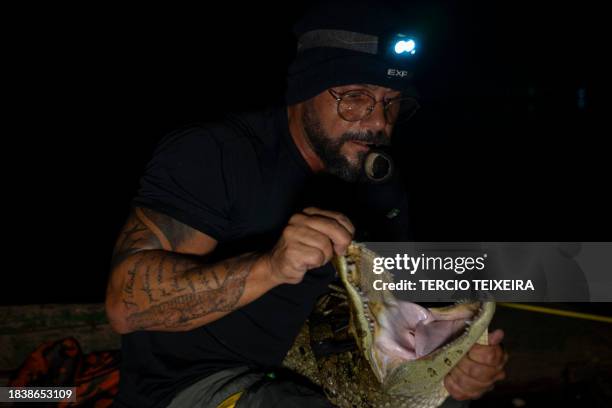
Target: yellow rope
x=558 y=312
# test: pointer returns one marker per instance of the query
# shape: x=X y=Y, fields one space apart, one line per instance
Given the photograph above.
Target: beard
x=329 y=149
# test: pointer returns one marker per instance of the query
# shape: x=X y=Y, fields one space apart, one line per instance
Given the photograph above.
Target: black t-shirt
x=238 y=181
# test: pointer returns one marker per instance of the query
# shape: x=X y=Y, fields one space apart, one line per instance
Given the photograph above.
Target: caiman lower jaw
x=405 y=331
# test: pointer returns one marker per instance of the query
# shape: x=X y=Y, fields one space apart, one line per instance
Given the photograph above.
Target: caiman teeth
x=469 y=322
x=336 y=288
x=341 y=328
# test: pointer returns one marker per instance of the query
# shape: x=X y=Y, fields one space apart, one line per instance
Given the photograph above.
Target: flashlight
x=378 y=165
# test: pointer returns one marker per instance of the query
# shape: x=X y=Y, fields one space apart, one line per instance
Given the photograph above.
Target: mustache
x=377 y=138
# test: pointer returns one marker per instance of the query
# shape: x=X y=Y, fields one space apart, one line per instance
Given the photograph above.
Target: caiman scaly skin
x=344 y=359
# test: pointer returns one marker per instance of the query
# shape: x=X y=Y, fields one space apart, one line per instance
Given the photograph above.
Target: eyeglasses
x=354 y=106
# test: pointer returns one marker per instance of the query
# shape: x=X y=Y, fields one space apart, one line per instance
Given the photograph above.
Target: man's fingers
x=467 y=386
x=505 y=358
x=341 y=218
x=500 y=376
x=496 y=337
x=489 y=355
x=482 y=373
x=454 y=389
x=316 y=239
x=477 y=372
x=307 y=256
x=339 y=235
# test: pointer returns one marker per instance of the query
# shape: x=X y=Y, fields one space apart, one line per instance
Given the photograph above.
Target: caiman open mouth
x=404 y=331
x=397 y=336
x=367 y=347
x=409 y=331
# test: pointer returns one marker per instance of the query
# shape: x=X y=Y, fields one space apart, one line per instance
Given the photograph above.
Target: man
x=221 y=261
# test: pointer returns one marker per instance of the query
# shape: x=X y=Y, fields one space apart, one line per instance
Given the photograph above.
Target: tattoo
x=131 y=279
x=147 y=229
x=164 y=287
x=176 y=275
x=135 y=236
x=146 y=285
x=214 y=274
x=160 y=276
x=206 y=280
x=160 y=270
x=170 y=232
x=190 y=284
x=181 y=310
x=129 y=305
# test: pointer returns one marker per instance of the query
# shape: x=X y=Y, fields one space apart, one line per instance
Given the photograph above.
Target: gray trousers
x=261 y=392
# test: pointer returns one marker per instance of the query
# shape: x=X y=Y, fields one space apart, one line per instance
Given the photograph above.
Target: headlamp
x=403 y=45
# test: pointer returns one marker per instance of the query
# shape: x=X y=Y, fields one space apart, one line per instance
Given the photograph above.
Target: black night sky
x=509 y=144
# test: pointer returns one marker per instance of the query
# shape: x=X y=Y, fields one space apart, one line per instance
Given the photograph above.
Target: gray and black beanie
x=341 y=43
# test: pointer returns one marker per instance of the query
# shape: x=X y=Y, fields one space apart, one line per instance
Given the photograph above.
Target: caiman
x=366 y=348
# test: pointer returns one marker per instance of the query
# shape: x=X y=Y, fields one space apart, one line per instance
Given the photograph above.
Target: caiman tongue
x=410 y=331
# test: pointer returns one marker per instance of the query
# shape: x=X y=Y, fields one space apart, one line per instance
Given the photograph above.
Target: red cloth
x=61 y=363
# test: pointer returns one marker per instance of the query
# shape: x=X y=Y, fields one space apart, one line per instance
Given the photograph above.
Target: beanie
x=342 y=43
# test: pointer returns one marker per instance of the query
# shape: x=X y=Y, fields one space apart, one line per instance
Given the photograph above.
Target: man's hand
x=309 y=240
x=478 y=370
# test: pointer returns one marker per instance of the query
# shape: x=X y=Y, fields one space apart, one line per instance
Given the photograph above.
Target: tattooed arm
x=159 y=280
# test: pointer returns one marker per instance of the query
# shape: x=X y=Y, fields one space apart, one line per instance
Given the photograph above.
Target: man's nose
x=376 y=121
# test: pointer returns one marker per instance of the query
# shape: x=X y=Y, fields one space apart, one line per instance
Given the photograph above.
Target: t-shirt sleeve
x=186 y=180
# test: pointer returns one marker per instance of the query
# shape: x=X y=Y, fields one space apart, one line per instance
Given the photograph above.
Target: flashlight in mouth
x=378 y=165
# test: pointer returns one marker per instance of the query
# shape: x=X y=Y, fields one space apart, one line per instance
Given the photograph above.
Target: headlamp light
x=403 y=45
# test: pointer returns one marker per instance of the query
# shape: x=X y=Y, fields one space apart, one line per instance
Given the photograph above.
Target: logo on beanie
x=398 y=73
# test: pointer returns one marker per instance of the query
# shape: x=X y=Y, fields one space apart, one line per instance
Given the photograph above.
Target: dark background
x=509 y=145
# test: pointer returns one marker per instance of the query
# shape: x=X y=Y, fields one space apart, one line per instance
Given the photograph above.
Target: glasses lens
x=400 y=110
x=355 y=106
